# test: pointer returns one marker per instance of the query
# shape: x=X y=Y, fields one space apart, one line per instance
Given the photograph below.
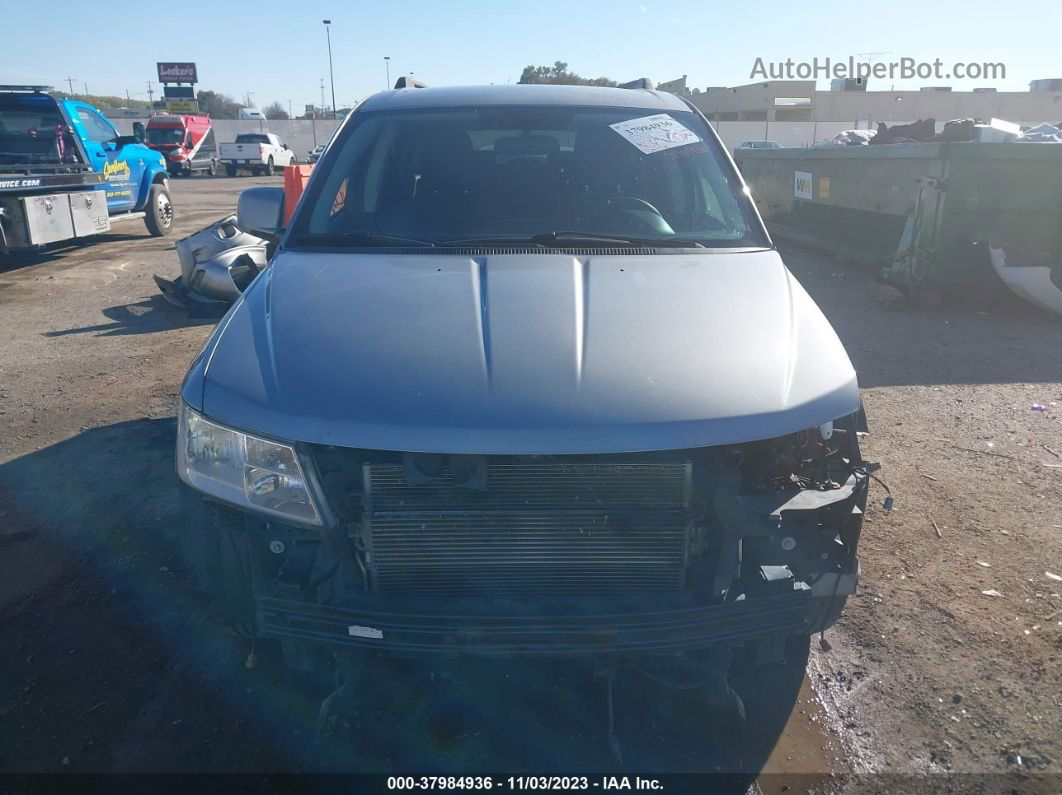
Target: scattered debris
x=1055 y=453
x=927 y=477
x=1039 y=407
x=984 y=564
x=1052 y=576
x=991 y=592
x=887 y=505
x=936 y=529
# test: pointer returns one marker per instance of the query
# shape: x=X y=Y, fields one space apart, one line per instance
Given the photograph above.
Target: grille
x=546 y=528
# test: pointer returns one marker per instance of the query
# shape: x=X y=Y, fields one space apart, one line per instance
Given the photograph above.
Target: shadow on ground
x=60 y=251
x=149 y=316
x=115 y=663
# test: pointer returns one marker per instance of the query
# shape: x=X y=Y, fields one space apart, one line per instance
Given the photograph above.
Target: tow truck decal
x=26 y=182
x=117 y=170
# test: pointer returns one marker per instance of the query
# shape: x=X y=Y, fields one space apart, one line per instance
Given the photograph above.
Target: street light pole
x=387 y=63
x=331 y=76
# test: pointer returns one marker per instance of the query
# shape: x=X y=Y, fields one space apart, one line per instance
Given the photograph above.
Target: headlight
x=242 y=469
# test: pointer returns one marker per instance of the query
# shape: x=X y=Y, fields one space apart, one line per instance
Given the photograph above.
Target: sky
x=278 y=50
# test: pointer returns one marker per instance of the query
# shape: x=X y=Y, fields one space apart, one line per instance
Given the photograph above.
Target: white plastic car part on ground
x=217 y=264
x=1028 y=274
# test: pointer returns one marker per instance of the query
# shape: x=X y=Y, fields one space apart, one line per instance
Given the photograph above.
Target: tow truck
x=66 y=173
x=186 y=141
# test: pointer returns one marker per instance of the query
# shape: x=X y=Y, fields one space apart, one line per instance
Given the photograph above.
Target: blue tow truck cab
x=66 y=173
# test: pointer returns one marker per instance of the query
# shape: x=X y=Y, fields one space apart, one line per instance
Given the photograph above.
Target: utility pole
x=322 y=95
x=70 y=82
x=387 y=63
x=151 y=94
x=86 y=88
x=289 y=110
x=331 y=74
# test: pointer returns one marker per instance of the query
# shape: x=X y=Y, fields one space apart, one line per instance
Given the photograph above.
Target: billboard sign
x=182 y=106
x=179 y=92
x=170 y=72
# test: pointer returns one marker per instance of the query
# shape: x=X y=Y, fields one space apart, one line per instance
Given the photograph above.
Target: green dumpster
x=922 y=213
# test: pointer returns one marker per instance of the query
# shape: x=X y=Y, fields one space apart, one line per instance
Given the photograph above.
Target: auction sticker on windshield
x=655 y=133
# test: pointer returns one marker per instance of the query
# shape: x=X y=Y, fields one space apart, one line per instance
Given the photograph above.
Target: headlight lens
x=242 y=469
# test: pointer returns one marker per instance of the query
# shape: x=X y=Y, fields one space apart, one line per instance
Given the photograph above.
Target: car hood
x=524 y=353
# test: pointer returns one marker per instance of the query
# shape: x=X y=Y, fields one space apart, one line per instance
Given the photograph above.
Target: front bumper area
x=732 y=623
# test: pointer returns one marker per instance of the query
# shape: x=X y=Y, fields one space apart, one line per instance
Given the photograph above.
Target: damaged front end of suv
x=613 y=555
x=441 y=423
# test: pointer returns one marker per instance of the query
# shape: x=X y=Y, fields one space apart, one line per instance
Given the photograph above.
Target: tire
x=159 y=218
x=268 y=170
x=230 y=170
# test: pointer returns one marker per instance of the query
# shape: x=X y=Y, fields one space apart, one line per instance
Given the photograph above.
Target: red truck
x=186 y=141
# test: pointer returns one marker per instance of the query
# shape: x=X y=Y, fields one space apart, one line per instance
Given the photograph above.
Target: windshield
x=478 y=175
x=164 y=135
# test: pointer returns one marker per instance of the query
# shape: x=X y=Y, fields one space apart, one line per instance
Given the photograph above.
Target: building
x=854 y=105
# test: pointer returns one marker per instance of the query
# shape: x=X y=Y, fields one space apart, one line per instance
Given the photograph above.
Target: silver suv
x=525 y=375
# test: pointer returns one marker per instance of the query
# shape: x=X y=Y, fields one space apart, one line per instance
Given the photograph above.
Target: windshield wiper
x=362 y=237
x=570 y=239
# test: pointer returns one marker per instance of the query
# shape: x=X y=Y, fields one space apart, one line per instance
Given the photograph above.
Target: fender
x=154 y=173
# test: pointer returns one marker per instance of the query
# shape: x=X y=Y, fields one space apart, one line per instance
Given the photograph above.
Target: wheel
x=268 y=170
x=230 y=170
x=211 y=169
x=159 y=218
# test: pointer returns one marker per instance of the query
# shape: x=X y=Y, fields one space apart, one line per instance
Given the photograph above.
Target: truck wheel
x=211 y=169
x=230 y=170
x=268 y=170
x=159 y=218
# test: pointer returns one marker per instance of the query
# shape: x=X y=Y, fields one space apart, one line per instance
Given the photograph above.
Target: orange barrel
x=295 y=178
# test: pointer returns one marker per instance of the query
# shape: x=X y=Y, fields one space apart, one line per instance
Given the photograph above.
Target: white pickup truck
x=259 y=152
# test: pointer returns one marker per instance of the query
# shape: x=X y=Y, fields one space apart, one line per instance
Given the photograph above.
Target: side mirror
x=260 y=211
x=138 y=131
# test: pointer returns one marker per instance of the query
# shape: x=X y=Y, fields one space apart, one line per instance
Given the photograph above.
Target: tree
x=558 y=74
x=275 y=111
x=103 y=100
x=217 y=105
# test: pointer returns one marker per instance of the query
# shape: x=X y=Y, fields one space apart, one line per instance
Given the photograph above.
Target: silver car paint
x=534 y=353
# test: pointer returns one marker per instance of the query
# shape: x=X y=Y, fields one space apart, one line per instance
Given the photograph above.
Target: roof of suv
x=465 y=96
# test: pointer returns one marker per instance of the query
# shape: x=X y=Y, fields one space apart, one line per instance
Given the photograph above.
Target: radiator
x=536 y=528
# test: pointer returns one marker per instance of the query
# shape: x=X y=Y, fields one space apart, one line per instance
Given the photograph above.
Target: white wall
x=787 y=133
x=300 y=134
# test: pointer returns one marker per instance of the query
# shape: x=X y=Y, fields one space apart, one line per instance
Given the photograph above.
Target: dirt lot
x=111 y=662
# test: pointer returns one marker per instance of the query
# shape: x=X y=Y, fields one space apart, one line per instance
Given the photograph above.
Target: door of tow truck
x=122 y=164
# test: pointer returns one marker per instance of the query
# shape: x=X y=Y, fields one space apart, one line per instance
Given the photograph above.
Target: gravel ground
x=111 y=662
